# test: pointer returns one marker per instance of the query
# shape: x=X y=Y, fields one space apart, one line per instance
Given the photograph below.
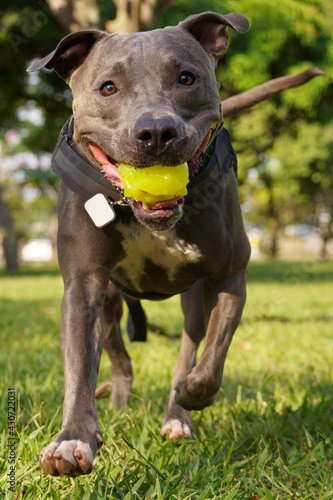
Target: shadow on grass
x=287 y=319
x=305 y=421
x=33 y=270
x=290 y=272
x=259 y=271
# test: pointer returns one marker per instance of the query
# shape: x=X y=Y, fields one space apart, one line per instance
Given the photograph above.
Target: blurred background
x=284 y=145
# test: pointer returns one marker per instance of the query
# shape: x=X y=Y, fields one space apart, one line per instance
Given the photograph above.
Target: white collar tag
x=99 y=210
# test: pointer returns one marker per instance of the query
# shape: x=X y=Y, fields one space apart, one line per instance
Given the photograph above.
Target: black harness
x=81 y=176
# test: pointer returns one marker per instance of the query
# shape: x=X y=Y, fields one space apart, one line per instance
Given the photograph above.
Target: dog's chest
x=162 y=253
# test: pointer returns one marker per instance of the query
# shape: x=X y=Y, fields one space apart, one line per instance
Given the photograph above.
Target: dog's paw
x=103 y=390
x=67 y=458
x=175 y=429
x=121 y=388
x=189 y=400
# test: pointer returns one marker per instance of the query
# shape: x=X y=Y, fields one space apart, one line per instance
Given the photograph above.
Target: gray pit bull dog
x=147 y=99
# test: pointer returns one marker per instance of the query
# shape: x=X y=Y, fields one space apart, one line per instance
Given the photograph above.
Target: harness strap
x=220 y=157
x=75 y=170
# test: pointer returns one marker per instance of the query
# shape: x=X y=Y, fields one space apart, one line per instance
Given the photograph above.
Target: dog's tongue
x=166 y=204
x=110 y=170
x=99 y=154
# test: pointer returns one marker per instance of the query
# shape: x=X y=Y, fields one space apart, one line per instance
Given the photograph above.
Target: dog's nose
x=156 y=135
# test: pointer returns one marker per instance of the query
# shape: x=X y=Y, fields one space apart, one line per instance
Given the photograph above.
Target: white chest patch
x=162 y=249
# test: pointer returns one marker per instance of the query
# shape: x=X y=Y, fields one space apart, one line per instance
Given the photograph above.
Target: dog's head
x=147 y=98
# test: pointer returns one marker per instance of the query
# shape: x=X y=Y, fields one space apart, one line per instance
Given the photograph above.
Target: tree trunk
x=127 y=19
x=9 y=239
x=136 y=15
x=132 y=15
x=323 y=248
x=274 y=217
x=274 y=238
x=76 y=14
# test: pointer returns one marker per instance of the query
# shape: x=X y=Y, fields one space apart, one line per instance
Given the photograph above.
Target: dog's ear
x=70 y=52
x=210 y=30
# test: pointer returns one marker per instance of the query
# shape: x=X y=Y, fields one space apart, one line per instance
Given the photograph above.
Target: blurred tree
x=75 y=14
x=284 y=145
x=121 y=16
x=25 y=125
x=9 y=236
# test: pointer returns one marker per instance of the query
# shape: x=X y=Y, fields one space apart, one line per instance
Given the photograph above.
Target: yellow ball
x=154 y=184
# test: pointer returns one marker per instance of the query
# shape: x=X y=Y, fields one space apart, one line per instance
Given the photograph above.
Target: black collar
x=82 y=177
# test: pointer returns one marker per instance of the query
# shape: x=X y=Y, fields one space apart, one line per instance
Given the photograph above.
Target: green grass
x=268 y=436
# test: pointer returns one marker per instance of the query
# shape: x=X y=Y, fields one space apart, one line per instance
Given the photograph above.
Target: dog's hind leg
x=224 y=301
x=121 y=381
x=137 y=321
x=177 y=422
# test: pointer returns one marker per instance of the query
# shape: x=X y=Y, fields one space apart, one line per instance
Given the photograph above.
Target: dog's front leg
x=223 y=304
x=177 y=422
x=84 y=258
x=73 y=450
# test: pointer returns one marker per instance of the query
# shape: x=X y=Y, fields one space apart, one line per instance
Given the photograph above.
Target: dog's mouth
x=169 y=209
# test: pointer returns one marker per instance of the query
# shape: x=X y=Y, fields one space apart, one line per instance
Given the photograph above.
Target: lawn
x=268 y=436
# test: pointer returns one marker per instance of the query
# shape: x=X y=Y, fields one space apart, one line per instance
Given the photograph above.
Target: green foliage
x=292 y=131
x=284 y=145
x=288 y=140
x=268 y=434
x=29 y=31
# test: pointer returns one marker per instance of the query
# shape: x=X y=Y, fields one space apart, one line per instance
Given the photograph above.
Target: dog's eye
x=186 y=79
x=107 y=89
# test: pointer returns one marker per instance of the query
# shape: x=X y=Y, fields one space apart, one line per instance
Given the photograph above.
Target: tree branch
x=247 y=99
